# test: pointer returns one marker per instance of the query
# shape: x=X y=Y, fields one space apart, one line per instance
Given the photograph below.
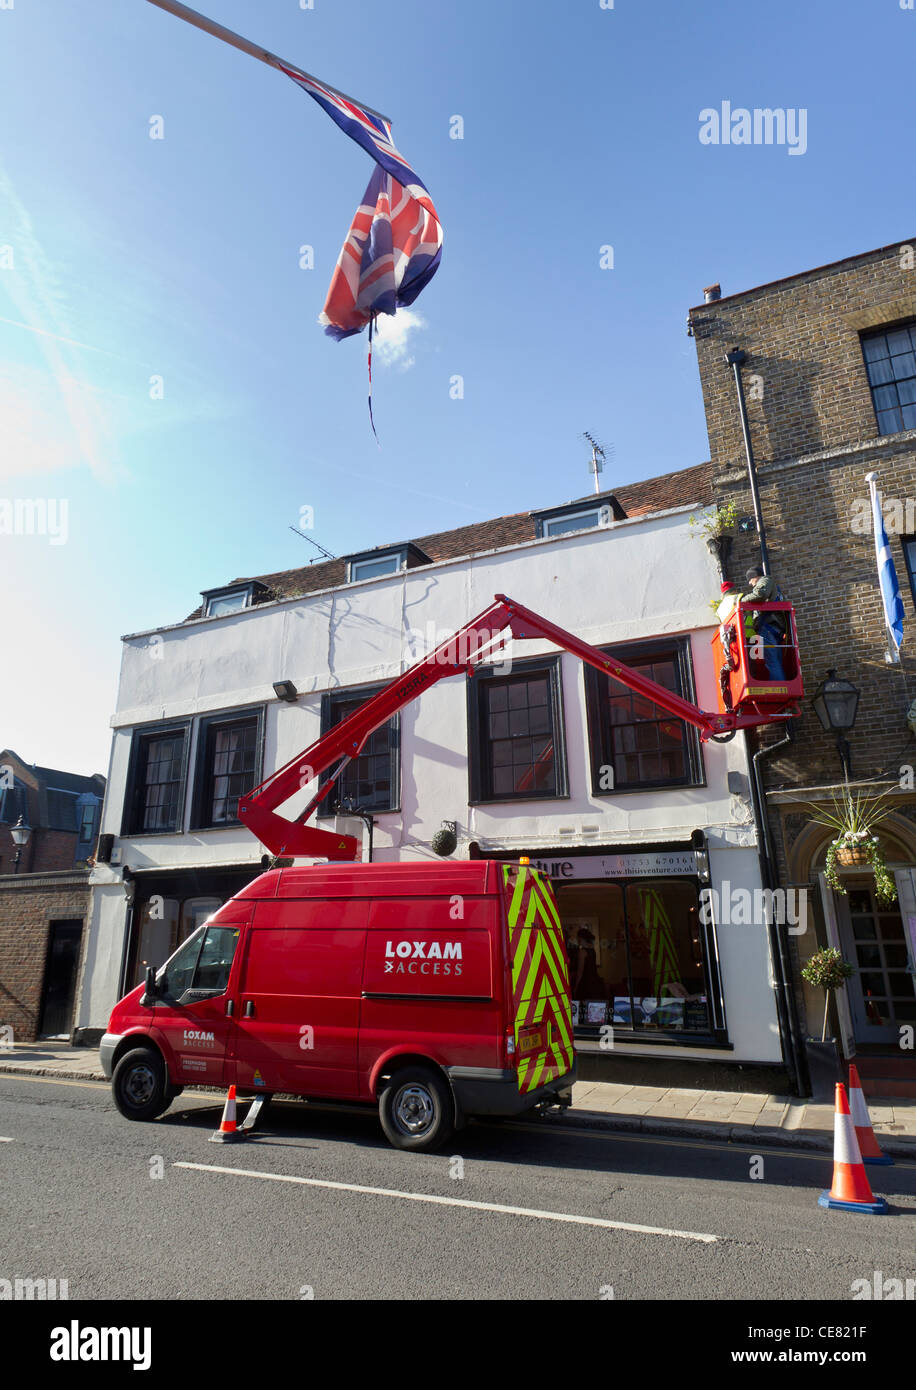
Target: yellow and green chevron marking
x=540 y=979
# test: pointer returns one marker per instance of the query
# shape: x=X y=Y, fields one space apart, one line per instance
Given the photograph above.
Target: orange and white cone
x=868 y=1144
x=850 y=1190
x=227 y=1133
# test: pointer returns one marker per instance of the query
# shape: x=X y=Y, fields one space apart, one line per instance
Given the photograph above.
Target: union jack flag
x=394 y=244
x=391 y=252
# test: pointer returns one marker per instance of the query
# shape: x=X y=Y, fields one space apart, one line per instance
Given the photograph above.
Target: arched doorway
x=878 y=939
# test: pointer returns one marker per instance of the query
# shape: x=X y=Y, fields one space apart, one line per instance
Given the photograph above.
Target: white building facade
x=535 y=754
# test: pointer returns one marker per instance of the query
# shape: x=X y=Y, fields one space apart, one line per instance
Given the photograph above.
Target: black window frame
x=141 y=737
x=551 y=667
x=910 y=569
x=203 y=776
x=330 y=806
x=601 y=753
x=871 y=336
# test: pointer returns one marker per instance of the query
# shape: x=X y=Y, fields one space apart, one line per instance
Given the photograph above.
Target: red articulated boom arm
x=470 y=644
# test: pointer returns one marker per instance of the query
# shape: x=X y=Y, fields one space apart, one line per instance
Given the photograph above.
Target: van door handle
x=249 y=1009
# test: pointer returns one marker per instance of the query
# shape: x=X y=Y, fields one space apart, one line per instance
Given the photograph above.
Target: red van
x=436 y=991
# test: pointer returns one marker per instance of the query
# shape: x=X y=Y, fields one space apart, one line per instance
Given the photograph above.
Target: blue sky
x=178 y=258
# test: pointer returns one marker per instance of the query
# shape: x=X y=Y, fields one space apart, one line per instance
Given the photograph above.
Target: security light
x=285 y=690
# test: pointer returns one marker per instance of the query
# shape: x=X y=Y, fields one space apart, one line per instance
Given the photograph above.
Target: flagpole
x=219 y=31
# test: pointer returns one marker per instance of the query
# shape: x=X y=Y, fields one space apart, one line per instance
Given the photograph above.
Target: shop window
x=890 y=360
x=163 y=924
x=156 y=780
x=194 y=912
x=157 y=929
x=636 y=956
x=515 y=728
x=228 y=764
x=634 y=743
x=371 y=781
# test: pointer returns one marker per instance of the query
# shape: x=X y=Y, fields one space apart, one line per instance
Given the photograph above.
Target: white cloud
x=392 y=335
x=79 y=432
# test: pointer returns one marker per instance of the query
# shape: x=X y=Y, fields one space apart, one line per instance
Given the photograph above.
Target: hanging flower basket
x=860 y=852
x=852 y=856
x=853 y=816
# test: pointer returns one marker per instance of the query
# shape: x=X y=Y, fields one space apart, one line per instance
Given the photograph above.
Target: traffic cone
x=850 y=1190
x=868 y=1144
x=227 y=1132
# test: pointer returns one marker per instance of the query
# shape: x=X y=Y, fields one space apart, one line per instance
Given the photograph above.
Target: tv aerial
x=599 y=455
x=326 y=553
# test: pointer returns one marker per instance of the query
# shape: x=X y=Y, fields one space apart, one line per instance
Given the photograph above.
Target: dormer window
x=579 y=516
x=572 y=521
x=374 y=569
x=375 y=564
x=230 y=599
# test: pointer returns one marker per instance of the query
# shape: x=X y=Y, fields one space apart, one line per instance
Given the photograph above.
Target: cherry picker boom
x=748 y=699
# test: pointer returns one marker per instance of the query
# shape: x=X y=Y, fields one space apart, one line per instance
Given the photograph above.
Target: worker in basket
x=769 y=627
x=727 y=613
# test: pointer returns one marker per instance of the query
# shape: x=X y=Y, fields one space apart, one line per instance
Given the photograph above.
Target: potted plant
x=854 y=816
x=716 y=526
x=827 y=970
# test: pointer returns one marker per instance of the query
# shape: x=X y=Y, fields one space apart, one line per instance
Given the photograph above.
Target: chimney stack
x=712 y=293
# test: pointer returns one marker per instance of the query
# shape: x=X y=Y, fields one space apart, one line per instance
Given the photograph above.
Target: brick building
x=829 y=378
x=44 y=897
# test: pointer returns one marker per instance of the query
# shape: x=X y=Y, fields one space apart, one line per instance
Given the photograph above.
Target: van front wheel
x=140 y=1085
x=416 y=1110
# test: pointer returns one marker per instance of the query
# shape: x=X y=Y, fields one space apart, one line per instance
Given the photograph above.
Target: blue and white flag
x=887 y=575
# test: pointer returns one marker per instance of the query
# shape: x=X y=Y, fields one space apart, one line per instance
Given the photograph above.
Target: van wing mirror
x=152 y=989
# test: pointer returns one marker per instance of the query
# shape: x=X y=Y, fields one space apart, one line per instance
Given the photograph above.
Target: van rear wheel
x=140 y=1086
x=416 y=1110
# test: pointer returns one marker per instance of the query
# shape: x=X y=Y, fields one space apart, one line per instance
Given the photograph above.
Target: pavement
x=736 y=1116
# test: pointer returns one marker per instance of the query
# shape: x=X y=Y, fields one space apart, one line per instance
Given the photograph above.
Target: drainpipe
x=130 y=884
x=793 y=1046
x=736 y=359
